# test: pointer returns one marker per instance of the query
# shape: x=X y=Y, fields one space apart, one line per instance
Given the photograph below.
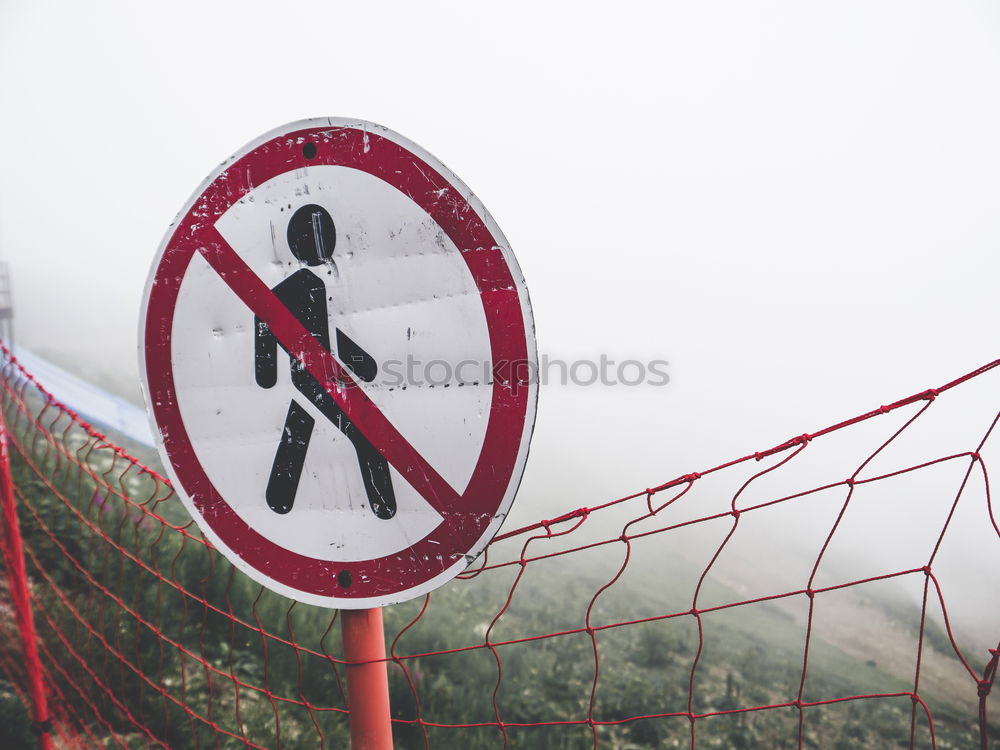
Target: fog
x=793 y=204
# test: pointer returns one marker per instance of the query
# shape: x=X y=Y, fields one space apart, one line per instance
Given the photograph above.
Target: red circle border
x=456 y=536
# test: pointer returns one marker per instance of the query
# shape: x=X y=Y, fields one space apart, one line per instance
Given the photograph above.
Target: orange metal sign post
x=367 y=679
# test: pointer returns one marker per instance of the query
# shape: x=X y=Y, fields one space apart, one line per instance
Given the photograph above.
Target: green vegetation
x=15 y=723
x=136 y=652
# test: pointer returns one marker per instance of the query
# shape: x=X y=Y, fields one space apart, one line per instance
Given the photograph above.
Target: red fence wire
x=769 y=601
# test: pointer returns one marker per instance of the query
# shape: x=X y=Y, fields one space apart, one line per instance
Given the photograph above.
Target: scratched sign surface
x=338 y=357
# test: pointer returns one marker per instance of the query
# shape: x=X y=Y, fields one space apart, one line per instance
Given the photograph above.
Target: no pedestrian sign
x=336 y=350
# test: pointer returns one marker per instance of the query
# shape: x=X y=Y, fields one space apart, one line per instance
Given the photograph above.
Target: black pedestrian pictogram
x=311 y=237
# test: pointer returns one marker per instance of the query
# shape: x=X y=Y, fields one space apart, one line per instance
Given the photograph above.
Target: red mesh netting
x=835 y=591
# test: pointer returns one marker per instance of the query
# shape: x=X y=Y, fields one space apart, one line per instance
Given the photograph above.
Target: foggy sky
x=795 y=204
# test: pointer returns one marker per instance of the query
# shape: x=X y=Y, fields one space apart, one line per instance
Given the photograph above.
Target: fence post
x=18 y=577
x=367 y=679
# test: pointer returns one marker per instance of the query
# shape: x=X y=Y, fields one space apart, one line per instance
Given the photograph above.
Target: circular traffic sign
x=338 y=356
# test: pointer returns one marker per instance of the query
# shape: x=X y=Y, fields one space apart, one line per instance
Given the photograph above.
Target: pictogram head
x=312 y=235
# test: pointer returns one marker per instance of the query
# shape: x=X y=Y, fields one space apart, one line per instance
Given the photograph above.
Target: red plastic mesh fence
x=837 y=590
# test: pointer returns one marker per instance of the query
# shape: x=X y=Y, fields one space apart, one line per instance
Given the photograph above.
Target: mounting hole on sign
x=309 y=151
x=344 y=579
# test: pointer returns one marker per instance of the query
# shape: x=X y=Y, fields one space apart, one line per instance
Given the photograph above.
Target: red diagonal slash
x=325 y=368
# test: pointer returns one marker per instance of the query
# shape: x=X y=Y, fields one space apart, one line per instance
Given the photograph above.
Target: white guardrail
x=92 y=403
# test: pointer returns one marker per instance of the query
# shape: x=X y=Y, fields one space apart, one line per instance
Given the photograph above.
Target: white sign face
x=338 y=354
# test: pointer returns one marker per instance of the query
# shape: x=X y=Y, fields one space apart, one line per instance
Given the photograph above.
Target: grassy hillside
x=745 y=657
